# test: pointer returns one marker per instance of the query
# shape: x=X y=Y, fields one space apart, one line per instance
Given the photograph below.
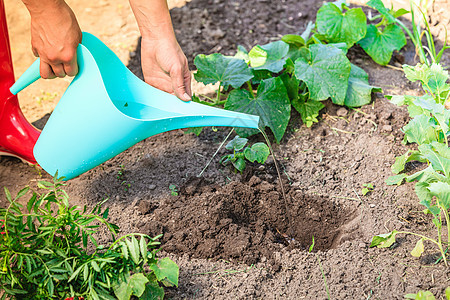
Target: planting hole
x=245 y=221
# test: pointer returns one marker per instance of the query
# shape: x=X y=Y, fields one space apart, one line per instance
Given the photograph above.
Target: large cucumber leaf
x=218 y=68
x=381 y=44
x=338 y=26
x=359 y=90
x=271 y=103
x=326 y=74
x=270 y=57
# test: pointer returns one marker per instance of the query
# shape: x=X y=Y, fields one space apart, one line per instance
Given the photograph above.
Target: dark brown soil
x=233 y=235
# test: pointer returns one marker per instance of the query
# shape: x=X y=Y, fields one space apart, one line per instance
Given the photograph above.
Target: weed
x=367 y=188
x=44 y=252
x=173 y=190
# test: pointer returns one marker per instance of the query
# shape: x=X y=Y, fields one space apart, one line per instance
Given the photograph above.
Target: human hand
x=165 y=66
x=55 y=35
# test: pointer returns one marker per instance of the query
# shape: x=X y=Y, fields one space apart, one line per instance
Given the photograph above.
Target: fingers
x=71 y=68
x=52 y=70
x=46 y=70
x=181 y=83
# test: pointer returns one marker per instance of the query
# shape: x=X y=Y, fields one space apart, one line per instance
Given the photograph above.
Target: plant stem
x=218 y=94
x=438 y=243
x=415 y=41
x=250 y=88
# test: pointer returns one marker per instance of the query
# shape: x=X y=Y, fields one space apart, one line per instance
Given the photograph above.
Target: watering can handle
x=28 y=77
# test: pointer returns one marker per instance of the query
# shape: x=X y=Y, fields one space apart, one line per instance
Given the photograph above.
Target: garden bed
x=231 y=234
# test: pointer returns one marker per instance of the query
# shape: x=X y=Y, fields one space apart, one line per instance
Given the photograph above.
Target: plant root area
x=233 y=235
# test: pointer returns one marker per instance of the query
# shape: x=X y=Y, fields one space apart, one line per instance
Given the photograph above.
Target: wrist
x=40 y=7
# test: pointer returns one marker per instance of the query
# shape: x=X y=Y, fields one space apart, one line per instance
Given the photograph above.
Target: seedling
x=311 y=247
x=173 y=190
x=258 y=152
x=121 y=172
x=428 y=128
x=427 y=295
x=44 y=252
x=367 y=188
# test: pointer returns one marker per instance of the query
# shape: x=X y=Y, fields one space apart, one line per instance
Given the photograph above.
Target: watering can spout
x=107 y=109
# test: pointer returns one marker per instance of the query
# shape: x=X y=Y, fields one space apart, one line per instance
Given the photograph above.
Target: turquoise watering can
x=107 y=109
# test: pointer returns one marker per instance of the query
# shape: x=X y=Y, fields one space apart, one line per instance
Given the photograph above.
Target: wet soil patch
x=244 y=221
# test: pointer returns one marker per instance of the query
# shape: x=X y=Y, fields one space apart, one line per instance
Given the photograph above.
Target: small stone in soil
x=387 y=128
x=152 y=187
x=341 y=112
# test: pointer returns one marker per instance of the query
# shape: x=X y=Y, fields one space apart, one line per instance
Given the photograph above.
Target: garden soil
x=233 y=235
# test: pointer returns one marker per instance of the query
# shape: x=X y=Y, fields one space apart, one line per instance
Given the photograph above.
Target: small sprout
x=121 y=172
x=312 y=245
x=258 y=152
x=368 y=187
x=173 y=190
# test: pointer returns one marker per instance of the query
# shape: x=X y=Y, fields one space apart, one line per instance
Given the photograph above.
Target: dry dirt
x=232 y=235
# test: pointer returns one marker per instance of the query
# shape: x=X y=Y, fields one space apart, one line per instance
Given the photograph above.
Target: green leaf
x=133 y=248
x=396 y=179
x=420 y=130
x=400 y=100
x=423 y=193
x=259 y=152
x=242 y=53
x=124 y=248
x=337 y=26
x=134 y=285
x=309 y=110
x=95 y=266
x=381 y=44
x=218 y=68
x=433 y=78
x=50 y=287
x=143 y=247
x=400 y=162
x=384 y=240
x=153 y=292
x=418 y=249
x=442 y=191
x=359 y=90
x=166 y=271
x=292 y=85
x=270 y=57
x=326 y=74
x=237 y=143
x=400 y=12
x=239 y=164
x=447 y=293
x=438 y=155
x=378 y=5
x=294 y=39
x=271 y=104
x=194 y=130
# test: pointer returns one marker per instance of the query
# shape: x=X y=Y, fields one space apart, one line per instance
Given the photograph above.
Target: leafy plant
x=48 y=250
x=297 y=71
x=427 y=295
x=428 y=128
x=367 y=188
x=383 y=38
x=258 y=152
x=173 y=190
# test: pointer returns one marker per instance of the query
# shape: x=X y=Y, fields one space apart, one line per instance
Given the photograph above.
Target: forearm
x=153 y=18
